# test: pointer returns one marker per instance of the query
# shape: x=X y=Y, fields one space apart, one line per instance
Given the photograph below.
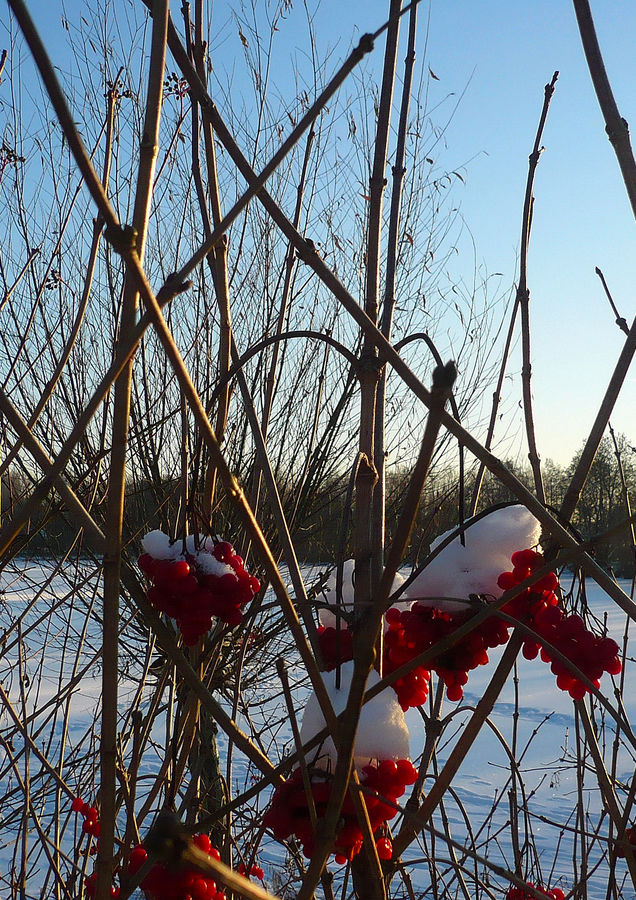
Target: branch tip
x=444 y=376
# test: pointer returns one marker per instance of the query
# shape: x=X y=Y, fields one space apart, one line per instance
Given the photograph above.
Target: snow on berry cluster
x=162 y=883
x=382 y=762
x=436 y=603
x=439 y=598
x=194 y=584
x=517 y=893
x=538 y=606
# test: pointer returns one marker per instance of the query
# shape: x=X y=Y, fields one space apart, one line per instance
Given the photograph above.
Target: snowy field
x=59 y=632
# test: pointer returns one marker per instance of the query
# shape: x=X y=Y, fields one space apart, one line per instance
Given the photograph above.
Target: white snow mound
x=327 y=617
x=473 y=569
x=158 y=545
x=382 y=730
x=205 y=543
x=210 y=565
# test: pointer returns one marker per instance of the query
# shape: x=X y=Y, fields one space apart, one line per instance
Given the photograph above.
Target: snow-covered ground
x=60 y=639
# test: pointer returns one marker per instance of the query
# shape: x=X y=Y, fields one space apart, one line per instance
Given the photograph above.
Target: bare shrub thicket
x=222 y=300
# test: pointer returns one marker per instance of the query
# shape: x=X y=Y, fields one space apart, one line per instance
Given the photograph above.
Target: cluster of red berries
x=630 y=837
x=538 y=605
x=202 y=585
x=89 y=814
x=517 y=893
x=162 y=883
x=384 y=782
x=254 y=870
x=336 y=646
x=91 y=826
x=414 y=631
x=90 y=886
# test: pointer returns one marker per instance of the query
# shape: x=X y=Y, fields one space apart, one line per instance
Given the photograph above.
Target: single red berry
x=202 y=841
x=384 y=848
x=223 y=550
x=138 y=857
x=455 y=692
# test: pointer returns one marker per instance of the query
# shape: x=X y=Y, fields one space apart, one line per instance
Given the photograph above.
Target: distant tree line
x=319 y=521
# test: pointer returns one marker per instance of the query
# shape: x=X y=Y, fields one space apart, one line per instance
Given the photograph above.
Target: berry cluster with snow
x=195 y=581
x=473 y=567
x=382 y=762
x=334 y=636
x=440 y=604
x=162 y=883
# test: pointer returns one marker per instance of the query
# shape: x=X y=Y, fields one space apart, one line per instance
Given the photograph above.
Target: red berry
x=526 y=558
x=202 y=841
x=147 y=564
x=179 y=569
x=385 y=848
x=199 y=889
x=387 y=770
x=506 y=581
x=138 y=857
x=406 y=771
x=614 y=666
x=455 y=692
x=223 y=550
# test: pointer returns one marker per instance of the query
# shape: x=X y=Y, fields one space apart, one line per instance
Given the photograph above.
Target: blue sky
x=498 y=54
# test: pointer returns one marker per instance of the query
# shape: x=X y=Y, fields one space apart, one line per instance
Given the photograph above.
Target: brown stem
x=523 y=293
x=616 y=127
x=369 y=540
x=471 y=730
x=117 y=474
x=388 y=307
x=603 y=415
x=496 y=399
x=620 y=321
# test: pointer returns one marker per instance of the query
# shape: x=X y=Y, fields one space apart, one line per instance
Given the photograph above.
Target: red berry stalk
x=162 y=883
x=336 y=646
x=254 y=870
x=90 y=815
x=538 y=606
x=415 y=631
x=200 y=586
x=516 y=893
x=289 y=811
